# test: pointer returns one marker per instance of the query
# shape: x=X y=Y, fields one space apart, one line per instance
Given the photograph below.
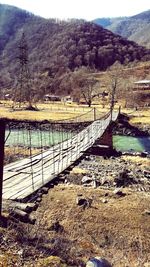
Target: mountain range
x=135 y=28
x=57 y=47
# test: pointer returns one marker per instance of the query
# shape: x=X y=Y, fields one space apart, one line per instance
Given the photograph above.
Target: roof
x=51 y=95
x=143 y=82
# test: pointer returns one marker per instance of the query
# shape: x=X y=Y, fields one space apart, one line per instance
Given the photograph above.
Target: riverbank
x=125 y=126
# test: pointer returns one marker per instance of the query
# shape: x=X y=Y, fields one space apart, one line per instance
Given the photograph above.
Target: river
x=35 y=138
x=46 y=138
x=128 y=143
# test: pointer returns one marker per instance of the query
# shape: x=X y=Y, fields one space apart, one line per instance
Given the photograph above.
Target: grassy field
x=54 y=111
x=48 y=111
x=141 y=116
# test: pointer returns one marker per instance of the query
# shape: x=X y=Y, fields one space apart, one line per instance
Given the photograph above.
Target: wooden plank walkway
x=25 y=176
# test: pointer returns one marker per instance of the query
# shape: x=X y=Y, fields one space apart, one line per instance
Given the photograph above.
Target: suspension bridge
x=25 y=176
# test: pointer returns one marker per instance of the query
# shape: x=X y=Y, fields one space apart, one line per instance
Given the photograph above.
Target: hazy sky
x=86 y=9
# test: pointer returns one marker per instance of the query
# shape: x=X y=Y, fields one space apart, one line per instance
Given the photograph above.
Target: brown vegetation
x=117 y=229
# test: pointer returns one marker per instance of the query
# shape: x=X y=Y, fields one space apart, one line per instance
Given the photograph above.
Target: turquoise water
x=35 y=138
x=46 y=138
x=128 y=143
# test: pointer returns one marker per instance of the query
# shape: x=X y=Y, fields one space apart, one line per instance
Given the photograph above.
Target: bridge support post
x=104 y=144
x=2 y=142
x=107 y=138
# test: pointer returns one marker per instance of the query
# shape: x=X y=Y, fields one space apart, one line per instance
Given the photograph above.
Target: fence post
x=2 y=142
x=94 y=114
x=119 y=109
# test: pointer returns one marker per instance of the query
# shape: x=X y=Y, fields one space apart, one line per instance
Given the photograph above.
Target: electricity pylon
x=23 y=91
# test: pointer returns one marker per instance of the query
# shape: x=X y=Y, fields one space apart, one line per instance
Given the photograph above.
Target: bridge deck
x=23 y=177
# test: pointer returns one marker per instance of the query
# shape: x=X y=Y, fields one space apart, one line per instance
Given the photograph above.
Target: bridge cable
x=30 y=151
x=41 y=149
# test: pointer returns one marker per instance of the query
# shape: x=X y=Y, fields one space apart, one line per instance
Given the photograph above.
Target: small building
x=141 y=91
x=52 y=97
x=7 y=97
x=67 y=99
x=142 y=85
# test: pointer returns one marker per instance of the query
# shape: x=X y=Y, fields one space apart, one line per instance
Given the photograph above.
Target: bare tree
x=85 y=85
x=114 y=81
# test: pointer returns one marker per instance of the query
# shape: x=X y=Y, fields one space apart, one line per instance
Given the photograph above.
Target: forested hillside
x=56 y=47
x=11 y=20
x=134 y=28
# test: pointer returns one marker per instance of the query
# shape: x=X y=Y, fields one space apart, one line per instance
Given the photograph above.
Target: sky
x=85 y=9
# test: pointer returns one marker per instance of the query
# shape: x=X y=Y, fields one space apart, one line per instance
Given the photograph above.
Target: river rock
x=98 y=262
x=84 y=202
x=147 y=212
x=86 y=179
x=144 y=154
x=104 y=200
x=147 y=174
x=118 y=192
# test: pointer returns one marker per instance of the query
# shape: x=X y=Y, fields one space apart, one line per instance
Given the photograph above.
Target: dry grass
x=15 y=153
x=117 y=230
x=78 y=171
x=140 y=120
x=144 y=162
x=139 y=117
x=59 y=111
x=46 y=111
x=45 y=114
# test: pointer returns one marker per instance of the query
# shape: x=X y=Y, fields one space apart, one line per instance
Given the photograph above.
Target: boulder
x=118 y=192
x=104 y=200
x=98 y=262
x=147 y=212
x=86 y=179
x=147 y=174
x=84 y=202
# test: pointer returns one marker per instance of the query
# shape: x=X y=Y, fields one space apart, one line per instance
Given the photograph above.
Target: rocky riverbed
x=123 y=171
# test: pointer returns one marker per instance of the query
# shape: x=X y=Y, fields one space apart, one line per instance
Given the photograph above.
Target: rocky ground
x=101 y=207
x=122 y=171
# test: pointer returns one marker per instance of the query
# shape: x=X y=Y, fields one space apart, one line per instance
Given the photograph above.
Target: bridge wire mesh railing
x=28 y=139
x=23 y=136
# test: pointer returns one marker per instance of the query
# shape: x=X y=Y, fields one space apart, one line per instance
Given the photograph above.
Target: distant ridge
x=136 y=28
